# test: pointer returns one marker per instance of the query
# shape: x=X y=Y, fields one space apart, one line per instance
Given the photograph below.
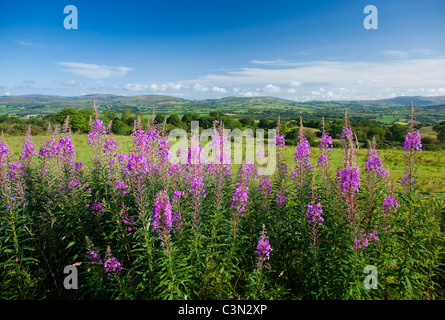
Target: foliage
x=138 y=226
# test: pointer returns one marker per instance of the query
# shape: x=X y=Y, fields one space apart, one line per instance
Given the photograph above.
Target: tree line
x=122 y=124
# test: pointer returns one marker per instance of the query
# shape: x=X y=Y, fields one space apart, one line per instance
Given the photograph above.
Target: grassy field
x=430 y=164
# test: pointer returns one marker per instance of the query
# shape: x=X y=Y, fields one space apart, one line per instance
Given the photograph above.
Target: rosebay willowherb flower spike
x=282 y=166
x=362 y=240
x=263 y=249
x=389 y=204
x=348 y=175
x=373 y=163
x=162 y=213
x=111 y=264
x=411 y=146
x=220 y=149
x=28 y=149
x=325 y=149
x=315 y=220
x=4 y=153
x=240 y=196
x=302 y=161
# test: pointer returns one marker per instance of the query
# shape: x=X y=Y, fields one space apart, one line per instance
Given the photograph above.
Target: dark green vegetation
x=383 y=119
x=56 y=213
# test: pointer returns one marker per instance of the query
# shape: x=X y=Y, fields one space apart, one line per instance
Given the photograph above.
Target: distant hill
x=108 y=99
x=428 y=109
x=404 y=100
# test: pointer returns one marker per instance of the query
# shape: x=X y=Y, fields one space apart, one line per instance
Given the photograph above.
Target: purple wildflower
x=349 y=180
x=28 y=149
x=239 y=200
x=265 y=186
x=66 y=148
x=4 y=152
x=50 y=150
x=73 y=184
x=97 y=208
x=302 y=155
x=110 y=145
x=411 y=146
x=363 y=239
x=112 y=266
x=94 y=256
x=197 y=187
x=325 y=148
x=162 y=215
x=279 y=140
x=263 y=249
x=313 y=214
x=280 y=199
x=15 y=170
x=121 y=185
x=128 y=221
x=97 y=130
x=177 y=220
x=389 y=204
x=412 y=141
x=346 y=134
x=373 y=163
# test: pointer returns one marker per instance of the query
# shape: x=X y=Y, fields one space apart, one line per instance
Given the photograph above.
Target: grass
x=430 y=165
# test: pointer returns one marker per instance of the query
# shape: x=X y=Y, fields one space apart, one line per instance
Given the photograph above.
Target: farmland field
x=430 y=164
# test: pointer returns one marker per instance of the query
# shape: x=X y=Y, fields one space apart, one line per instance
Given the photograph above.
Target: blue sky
x=299 y=50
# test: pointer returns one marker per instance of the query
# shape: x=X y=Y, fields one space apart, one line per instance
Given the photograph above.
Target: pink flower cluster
x=363 y=239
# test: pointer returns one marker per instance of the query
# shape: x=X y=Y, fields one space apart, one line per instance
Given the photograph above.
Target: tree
x=159 y=118
x=110 y=114
x=120 y=127
x=126 y=114
x=440 y=129
x=61 y=116
x=247 y=121
x=398 y=132
x=78 y=123
x=230 y=123
x=174 y=120
x=264 y=123
x=206 y=122
x=189 y=117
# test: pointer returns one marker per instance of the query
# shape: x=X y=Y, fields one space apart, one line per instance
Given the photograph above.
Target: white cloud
x=136 y=86
x=218 y=89
x=199 y=87
x=30 y=44
x=276 y=62
x=348 y=80
x=294 y=83
x=250 y=94
x=270 y=88
x=94 y=71
x=405 y=54
x=72 y=83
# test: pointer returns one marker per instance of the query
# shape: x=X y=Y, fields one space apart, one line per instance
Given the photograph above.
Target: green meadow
x=430 y=164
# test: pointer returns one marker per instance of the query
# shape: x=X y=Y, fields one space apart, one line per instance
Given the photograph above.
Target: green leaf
x=70 y=244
